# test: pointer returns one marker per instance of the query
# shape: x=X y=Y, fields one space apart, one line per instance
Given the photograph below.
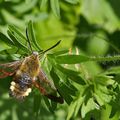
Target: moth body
x=24 y=76
x=27 y=73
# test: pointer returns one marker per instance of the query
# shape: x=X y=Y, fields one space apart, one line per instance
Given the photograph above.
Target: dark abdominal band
x=24 y=81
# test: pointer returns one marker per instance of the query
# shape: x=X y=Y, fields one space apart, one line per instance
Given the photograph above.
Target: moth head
x=35 y=53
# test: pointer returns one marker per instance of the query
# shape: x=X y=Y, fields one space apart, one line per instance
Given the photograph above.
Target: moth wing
x=8 y=69
x=47 y=87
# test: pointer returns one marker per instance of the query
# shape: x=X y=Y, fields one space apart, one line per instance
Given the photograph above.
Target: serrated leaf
x=55 y=7
x=71 y=59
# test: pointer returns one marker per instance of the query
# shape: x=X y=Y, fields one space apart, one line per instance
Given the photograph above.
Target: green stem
x=108 y=58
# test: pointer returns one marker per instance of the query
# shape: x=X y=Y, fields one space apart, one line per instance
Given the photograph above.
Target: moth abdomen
x=21 y=86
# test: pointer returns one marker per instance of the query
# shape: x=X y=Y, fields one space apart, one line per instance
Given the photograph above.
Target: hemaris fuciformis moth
x=27 y=73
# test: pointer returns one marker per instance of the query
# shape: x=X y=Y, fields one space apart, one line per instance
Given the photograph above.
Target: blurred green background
x=87 y=27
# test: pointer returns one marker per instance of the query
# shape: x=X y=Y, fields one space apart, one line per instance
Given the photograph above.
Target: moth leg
x=38 y=86
x=52 y=97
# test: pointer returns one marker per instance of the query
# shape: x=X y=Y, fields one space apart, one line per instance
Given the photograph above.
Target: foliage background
x=89 y=28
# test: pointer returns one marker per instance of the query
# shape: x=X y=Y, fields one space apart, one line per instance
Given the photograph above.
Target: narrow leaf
x=71 y=59
x=73 y=75
x=72 y=1
x=15 y=30
x=37 y=102
x=71 y=109
x=6 y=39
x=43 y=3
x=23 y=7
x=4 y=46
x=16 y=41
x=55 y=7
x=32 y=36
x=48 y=104
x=62 y=88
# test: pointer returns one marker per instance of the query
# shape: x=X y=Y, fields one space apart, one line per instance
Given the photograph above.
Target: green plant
x=85 y=93
x=87 y=76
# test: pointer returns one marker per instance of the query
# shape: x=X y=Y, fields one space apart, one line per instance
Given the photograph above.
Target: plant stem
x=108 y=58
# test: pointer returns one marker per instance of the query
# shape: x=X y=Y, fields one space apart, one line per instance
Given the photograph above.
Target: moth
x=27 y=73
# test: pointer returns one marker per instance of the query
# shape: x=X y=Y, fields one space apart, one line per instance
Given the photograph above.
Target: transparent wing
x=8 y=69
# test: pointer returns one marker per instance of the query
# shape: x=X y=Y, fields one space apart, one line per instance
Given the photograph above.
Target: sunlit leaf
x=43 y=3
x=71 y=59
x=32 y=36
x=72 y=1
x=73 y=75
x=16 y=41
x=55 y=7
x=87 y=108
x=25 y=6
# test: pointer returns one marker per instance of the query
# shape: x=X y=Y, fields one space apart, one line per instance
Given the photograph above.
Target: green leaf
x=61 y=52
x=95 y=14
x=4 y=46
x=32 y=36
x=64 y=90
x=72 y=1
x=71 y=59
x=37 y=102
x=5 y=42
x=55 y=7
x=24 y=6
x=6 y=39
x=88 y=107
x=74 y=107
x=53 y=105
x=73 y=75
x=48 y=104
x=71 y=109
x=43 y=3
x=16 y=40
x=17 y=33
x=98 y=99
x=113 y=70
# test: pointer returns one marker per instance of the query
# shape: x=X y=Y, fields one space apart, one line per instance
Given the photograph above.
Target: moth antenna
x=51 y=47
x=28 y=40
